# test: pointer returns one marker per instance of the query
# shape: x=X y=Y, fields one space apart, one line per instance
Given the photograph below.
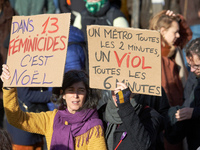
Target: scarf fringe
x=87 y=135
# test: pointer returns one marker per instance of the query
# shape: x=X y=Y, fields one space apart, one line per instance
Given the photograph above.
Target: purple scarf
x=67 y=126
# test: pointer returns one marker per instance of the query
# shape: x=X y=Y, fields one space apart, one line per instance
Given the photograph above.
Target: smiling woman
x=76 y=120
x=75 y=97
x=75 y=92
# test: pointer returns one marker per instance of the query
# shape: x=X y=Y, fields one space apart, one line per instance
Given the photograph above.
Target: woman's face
x=171 y=34
x=75 y=96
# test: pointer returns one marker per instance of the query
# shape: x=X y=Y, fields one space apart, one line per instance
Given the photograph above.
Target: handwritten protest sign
x=37 y=50
x=132 y=56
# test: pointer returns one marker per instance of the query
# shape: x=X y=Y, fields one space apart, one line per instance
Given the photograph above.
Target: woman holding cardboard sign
x=129 y=125
x=74 y=126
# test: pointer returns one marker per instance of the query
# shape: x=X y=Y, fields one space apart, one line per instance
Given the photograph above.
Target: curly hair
x=193 y=48
x=71 y=77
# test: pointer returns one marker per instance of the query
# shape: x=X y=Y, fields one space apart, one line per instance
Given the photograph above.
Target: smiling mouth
x=75 y=102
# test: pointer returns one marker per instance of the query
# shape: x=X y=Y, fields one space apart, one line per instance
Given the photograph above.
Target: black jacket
x=177 y=130
x=161 y=105
x=142 y=127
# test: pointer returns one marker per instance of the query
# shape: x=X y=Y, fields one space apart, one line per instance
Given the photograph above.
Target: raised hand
x=170 y=13
x=5 y=73
x=121 y=86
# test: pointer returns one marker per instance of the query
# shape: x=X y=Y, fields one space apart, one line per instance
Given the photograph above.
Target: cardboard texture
x=37 y=50
x=128 y=55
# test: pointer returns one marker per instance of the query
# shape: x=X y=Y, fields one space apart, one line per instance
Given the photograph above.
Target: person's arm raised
x=30 y=122
x=5 y=74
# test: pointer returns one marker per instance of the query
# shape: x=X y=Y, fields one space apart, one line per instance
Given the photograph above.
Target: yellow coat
x=42 y=123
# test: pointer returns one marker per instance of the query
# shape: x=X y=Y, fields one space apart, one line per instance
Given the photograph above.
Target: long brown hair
x=162 y=20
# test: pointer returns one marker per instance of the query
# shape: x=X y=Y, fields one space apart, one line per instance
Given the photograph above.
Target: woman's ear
x=162 y=31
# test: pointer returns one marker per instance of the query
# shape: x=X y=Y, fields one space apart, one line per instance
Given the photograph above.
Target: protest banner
x=37 y=50
x=131 y=56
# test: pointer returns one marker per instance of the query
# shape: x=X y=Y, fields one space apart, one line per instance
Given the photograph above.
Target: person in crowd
x=100 y=12
x=75 y=125
x=6 y=14
x=74 y=7
x=30 y=99
x=5 y=140
x=77 y=57
x=158 y=103
x=191 y=12
x=36 y=7
x=129 y=125
x=183 y=121
x=174 y=35
x=38 y=99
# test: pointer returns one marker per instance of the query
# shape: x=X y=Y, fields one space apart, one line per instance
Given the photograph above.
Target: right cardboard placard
x=131 y=56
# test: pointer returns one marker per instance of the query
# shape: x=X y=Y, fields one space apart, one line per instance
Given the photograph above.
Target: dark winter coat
x=142 y=127
x=161 y=105
x=178 y=130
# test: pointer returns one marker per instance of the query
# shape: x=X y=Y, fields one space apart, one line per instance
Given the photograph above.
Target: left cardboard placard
x=37 y=50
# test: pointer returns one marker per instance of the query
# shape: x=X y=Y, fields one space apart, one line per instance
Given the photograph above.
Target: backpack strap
x=109 y=16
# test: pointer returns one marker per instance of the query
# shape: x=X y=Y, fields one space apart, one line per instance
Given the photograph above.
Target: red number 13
x=54 y=23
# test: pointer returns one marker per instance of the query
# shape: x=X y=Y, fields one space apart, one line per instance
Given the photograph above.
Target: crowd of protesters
x=75 y=116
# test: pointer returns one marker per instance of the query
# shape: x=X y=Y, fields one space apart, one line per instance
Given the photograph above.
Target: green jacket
x=34 y=7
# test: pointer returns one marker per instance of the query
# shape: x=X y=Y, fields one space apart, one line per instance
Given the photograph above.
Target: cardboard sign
x=37 y=50
x=131 y=56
